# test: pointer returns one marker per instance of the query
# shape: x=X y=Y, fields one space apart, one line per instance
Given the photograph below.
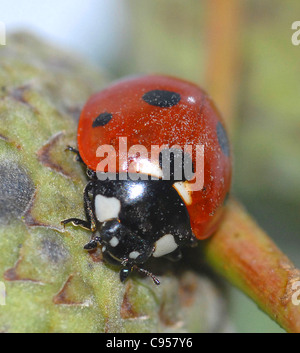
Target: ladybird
x=158 y=160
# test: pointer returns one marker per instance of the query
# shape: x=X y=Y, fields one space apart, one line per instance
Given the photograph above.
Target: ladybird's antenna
x=147 y=273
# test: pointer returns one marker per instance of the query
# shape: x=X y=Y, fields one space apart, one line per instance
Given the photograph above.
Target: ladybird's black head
x=122 y=244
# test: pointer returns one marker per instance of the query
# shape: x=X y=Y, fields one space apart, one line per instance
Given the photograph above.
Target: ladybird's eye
x=102 y=119
x=161 y=98
x=223 y=139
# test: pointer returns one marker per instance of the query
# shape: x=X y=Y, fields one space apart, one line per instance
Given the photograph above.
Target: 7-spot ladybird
x=160 y=210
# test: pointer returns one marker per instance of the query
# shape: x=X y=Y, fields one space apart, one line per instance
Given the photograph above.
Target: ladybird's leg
x=90 y=223
x=90 y=173
x=74 y=150
x=77 y=222
x=124 y=262
x=89 y=206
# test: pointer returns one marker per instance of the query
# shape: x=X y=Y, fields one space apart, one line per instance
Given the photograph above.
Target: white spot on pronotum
x=103 y=248
x=106 y=208
x=165 y=245
x=184 y=191
x=114 y=241
x=134 y=254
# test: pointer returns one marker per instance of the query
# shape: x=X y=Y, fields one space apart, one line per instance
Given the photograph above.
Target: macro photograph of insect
x=149 y=168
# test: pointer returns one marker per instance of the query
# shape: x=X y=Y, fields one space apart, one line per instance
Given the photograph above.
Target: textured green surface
x=52 y=284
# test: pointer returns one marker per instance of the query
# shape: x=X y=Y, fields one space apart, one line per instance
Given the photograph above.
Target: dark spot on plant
x=54 y=251
x=16 y=191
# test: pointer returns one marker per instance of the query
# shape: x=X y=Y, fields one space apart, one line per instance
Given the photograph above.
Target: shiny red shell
x=193 y=120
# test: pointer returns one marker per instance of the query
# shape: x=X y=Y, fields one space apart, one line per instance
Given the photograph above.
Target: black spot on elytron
x=102 y=119
x=176 y=165
x=16 y=191
x=162 y=98
x=223 y=139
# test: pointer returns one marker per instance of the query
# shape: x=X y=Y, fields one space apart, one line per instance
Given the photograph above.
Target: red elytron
x=189 y=117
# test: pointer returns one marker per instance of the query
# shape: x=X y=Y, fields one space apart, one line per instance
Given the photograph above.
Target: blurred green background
x=241 y=52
